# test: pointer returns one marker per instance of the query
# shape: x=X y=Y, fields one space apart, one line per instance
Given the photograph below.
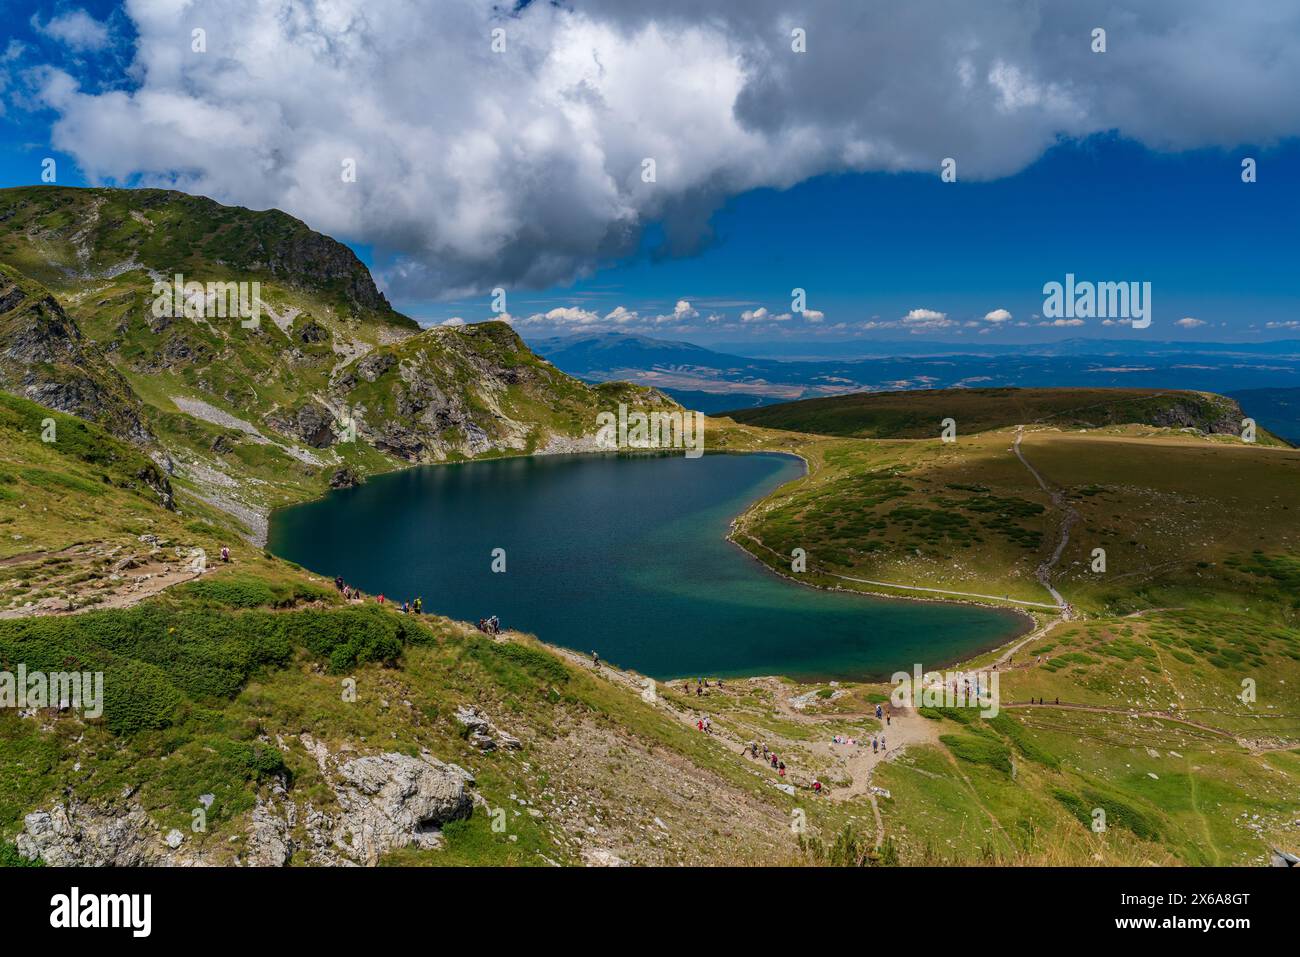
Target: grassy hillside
x=227 y=690
x=65 y=236
x=87 y=519
x=1149 y=729
x=1176 y=516
x=227 y=687
x=1144 y=711
x=918 y=414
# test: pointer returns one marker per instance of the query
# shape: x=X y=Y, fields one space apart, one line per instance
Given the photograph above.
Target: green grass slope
x=64 y=235
x=224 y=687
x=1178 y=517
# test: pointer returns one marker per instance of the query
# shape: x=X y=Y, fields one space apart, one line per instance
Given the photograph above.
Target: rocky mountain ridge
x=330 y=384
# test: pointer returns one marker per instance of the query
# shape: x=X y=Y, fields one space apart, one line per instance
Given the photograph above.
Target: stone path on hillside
x=145 y=580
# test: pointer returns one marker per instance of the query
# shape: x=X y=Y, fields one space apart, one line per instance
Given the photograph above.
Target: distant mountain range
x=1077 y=346
x=714 y=381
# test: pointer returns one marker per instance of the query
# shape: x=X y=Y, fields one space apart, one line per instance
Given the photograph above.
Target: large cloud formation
x=524 y=168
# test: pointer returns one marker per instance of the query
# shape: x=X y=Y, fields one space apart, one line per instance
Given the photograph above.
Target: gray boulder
x=389 y=801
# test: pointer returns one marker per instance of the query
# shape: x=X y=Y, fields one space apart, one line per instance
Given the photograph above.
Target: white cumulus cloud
x=76 y=28
x=523 y=168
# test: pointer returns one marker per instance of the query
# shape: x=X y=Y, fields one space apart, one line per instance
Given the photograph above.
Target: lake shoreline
x=1030 y=620
x=740 y=673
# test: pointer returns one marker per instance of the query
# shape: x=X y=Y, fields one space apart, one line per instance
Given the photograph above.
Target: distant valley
x=1264 y=377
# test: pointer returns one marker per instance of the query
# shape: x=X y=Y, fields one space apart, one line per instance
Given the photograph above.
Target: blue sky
x=878 y=245
x=1056 y=176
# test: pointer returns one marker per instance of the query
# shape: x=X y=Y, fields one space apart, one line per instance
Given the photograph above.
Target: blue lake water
x=625 y=555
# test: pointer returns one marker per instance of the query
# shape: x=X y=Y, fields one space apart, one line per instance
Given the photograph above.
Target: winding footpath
x=1069 y=516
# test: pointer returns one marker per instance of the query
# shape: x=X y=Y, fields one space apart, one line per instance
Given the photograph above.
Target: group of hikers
x=489 y=626
x=758 y=751
x=877 y=741
x=413 y=607
x=769 y=757
x=700 y=685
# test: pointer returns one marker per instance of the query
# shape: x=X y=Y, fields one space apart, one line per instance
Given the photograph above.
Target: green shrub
x=347 y=637
x=232 y=591
x=540 y=664
x=9 y=857
x=241 y=591
x=1118 y=812
x=976 y=750
x=1009 y=728
x=255 y=760
x=517 y=668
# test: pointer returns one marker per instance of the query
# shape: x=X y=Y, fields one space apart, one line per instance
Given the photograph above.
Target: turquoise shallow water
x=624 y=555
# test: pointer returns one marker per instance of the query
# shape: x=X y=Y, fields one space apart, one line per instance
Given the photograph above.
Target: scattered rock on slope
x=45 y=358
x=482 y=733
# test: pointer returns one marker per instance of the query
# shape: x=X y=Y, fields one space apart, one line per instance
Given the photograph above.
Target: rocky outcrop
x=344 y=478
x=289 y=249
x=392 y=800
x=314 y=425
x=376 y=364
x=1215 y=414
x=311 y=423
x=153 y=478
x=45 y=358
x=600 y=857
x=270 y=844
x=383 y=802
x=81 y=835
x=468 y=391
x=483 y=734
x=312 y=331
